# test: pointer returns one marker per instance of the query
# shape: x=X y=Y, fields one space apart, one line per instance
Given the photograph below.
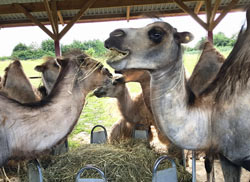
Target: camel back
x=235 y=72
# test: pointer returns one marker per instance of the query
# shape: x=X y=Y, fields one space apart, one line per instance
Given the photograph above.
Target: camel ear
x=39 y=68
x=62 y=62
x=183 y=37
x=119 y=80
x=107 y=72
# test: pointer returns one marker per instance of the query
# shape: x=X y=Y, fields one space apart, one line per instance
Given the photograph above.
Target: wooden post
x=57 y=47
x=210 y=36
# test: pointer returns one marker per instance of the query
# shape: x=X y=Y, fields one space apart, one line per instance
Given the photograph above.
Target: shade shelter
x=14 y=13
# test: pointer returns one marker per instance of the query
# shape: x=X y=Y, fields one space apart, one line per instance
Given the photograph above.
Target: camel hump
x=17 y=63
x=209 y=49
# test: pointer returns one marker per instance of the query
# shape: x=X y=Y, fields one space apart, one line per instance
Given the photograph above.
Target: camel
x=50 y=71
x=216 y=121
x=16 y=85
x=133 y=110
x=202 y=75
x=48 y=122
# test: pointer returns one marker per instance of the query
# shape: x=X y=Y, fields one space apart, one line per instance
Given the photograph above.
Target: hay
x=126 y=162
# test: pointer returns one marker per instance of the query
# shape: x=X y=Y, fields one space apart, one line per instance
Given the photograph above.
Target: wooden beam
x=224 y=13
x=128 y=13
x=191 y=13
x=60 y=18
x=198 y=7
x=28 y=15
x=50 y=16
x=214 y=11
x=75 y=4
x=84 y=7
x=54 y=15
x=208 y=11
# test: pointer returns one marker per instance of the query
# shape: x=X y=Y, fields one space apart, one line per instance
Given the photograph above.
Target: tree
x=20 y=47
x=48 y=45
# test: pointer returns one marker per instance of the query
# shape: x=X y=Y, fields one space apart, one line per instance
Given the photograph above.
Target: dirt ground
x=201 y=172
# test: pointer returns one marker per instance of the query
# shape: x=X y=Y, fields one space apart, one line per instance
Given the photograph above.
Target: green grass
x=96 y=110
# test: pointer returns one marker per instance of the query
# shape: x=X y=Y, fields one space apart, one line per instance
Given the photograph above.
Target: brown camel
x=50 y=71
x=217 y=121
x=16 y=85
x=133 y=110
x=44 y=124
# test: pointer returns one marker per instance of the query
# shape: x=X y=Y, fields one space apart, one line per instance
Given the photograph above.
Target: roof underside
x=101 y=10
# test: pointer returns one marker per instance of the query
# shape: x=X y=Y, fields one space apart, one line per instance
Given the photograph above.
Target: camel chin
x=117 y=58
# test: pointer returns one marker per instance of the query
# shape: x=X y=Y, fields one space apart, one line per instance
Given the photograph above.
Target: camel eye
x=156 y=34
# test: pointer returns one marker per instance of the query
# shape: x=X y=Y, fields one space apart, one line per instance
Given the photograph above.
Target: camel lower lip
x=116 y=55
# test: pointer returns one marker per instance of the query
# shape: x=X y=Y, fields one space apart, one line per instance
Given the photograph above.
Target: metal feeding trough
x=140 y=134
x=34 y=171
x=98 y=136
x=169 y=174
x=79 y=179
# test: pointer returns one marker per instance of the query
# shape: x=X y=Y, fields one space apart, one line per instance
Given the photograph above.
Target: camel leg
x=209 y=166
x=231 y=172
x=5 y=151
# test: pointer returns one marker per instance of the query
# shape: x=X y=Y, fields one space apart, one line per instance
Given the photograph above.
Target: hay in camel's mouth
x=115 y=55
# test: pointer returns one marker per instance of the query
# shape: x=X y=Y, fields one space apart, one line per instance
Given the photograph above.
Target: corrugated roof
x=105 y=11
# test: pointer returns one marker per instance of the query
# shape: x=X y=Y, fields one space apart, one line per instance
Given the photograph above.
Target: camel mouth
x=116 y=55
x=98 y=93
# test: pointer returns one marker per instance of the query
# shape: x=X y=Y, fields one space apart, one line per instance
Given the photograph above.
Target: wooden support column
x=208 y=13
x=57 y=47
x=210 y=36
x=128 y=13
x=191 y=13
x=86 y=5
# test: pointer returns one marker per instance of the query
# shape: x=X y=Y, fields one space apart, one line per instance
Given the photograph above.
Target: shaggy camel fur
x=48 y=122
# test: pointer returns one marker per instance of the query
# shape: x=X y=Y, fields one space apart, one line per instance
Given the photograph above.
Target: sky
x=10 y=37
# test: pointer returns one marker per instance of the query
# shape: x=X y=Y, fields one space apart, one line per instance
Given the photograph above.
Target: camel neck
x=145 y=85
x=184 y=126
x=127 y=106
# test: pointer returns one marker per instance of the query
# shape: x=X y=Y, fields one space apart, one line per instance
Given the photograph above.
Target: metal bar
x=193 y=166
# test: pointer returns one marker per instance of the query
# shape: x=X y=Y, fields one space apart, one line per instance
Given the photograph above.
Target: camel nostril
x=117 y=33
x=106 y=44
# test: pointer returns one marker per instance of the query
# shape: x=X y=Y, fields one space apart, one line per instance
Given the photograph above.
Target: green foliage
x=48 y=45
x=220 y=40
x=94 y=48
x=21 y=51
x=20 y=47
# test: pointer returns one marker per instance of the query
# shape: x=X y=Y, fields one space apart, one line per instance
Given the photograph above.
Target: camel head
x=112 y=88
x=152 y=47
x=50 y=71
